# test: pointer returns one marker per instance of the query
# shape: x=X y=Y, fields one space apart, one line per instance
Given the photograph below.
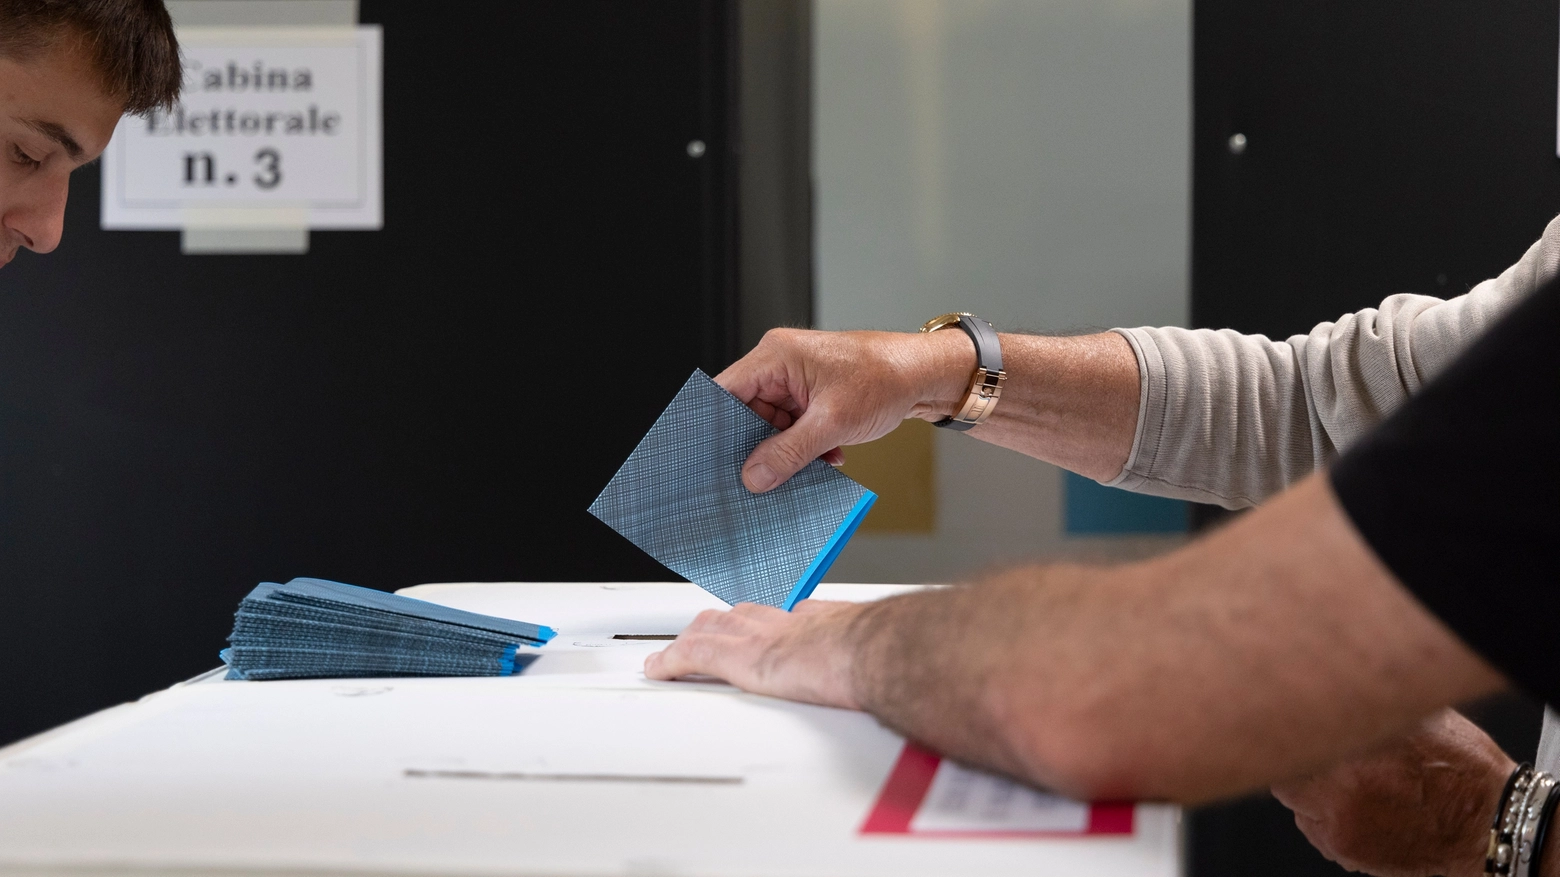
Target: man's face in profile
x=55 y=116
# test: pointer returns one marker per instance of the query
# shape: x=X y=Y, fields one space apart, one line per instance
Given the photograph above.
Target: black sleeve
x=1458 y=494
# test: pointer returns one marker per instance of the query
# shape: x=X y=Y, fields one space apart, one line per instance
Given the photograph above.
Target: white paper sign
x=964 y=800
x=272 y=122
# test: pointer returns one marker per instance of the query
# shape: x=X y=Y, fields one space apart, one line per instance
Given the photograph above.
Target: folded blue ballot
x=312 y=628
x=680 y=498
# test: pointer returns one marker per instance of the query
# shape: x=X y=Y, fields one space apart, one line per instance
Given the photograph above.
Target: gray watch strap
x=988 y=355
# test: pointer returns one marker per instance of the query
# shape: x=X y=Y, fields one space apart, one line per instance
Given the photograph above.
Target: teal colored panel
x=1094 y=509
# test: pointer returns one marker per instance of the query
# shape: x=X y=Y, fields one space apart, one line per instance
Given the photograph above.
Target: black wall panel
x=436 y=401
x=1390 y=148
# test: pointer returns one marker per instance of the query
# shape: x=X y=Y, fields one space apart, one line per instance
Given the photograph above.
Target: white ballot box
x=580 y=766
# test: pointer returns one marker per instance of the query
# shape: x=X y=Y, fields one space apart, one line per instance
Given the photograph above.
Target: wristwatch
x=986 y=384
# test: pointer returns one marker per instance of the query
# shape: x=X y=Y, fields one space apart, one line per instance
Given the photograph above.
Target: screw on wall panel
x=1237 y=144
x=1440 y=280
x=695 y=148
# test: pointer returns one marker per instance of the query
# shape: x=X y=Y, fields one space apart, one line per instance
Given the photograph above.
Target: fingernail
x=760 y=477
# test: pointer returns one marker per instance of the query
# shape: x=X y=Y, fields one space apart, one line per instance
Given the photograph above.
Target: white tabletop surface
x=579 y=766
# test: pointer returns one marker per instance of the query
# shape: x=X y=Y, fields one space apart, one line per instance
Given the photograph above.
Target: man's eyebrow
x=56 y=132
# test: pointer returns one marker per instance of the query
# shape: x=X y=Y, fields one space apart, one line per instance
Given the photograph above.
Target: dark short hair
x=130 y=42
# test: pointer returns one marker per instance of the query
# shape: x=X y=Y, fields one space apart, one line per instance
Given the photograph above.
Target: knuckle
x=780 y=336
x=669 y=662
x=752 y=610
x=702 y=655
x=728 y=623
x=825 y=407
x=1335 y=839
x=788 y=455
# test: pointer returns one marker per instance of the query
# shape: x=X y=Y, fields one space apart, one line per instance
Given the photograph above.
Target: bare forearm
x=927 y=664
x=1069 y=401
x=1185 y=677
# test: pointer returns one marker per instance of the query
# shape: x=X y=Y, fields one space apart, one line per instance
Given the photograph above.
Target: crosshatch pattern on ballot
x=680 y=498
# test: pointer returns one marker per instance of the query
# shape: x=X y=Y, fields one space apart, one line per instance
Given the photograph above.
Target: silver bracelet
x=1501 y=856
x=1530 y=817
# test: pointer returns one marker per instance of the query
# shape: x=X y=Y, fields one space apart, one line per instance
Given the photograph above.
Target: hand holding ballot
x=828 y=389
x=679 y=496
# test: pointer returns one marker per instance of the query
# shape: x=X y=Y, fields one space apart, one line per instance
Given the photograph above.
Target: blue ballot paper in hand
x=680 y=498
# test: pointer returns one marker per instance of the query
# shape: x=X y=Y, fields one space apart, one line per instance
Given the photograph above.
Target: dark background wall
x=436 y=401
x=1390 y=148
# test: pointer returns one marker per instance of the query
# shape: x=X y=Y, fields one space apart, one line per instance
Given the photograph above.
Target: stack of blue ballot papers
x=312 y=628
x=680 y=498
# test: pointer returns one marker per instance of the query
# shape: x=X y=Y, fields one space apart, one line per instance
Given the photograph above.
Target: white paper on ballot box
x=574 y=608
x=589 y=617
x=972 y=801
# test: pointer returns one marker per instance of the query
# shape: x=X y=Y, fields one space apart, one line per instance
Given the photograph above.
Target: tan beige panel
x=901 y=468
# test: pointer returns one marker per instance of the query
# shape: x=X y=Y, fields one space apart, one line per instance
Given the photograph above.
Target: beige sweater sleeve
x=1232 y=419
